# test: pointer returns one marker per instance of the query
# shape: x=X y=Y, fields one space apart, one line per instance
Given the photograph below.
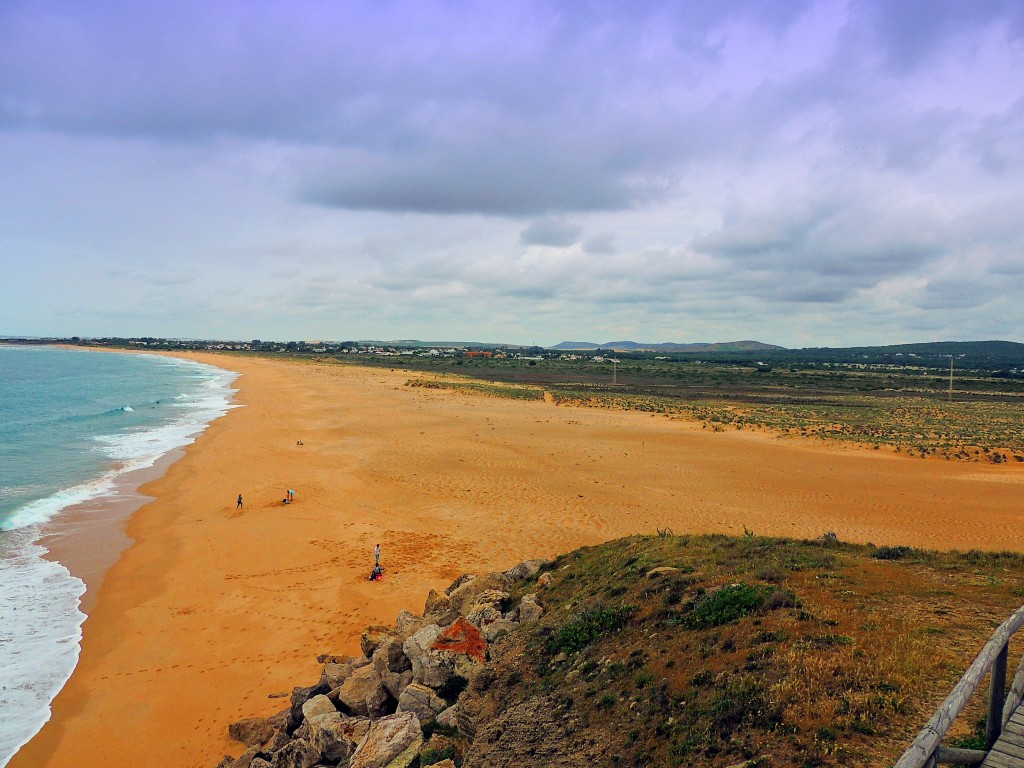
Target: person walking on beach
x=376 y=555
x=239 y=504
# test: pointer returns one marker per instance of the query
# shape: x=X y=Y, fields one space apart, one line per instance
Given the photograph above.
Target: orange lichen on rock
x=462 y=637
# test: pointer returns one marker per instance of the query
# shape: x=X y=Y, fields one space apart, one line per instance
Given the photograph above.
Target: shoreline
x=88 y=538
x=210 y=610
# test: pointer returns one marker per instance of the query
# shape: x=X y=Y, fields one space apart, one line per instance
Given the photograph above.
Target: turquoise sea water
x=71 y=424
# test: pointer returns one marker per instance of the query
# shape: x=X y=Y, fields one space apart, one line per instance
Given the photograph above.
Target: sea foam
x=40 y=632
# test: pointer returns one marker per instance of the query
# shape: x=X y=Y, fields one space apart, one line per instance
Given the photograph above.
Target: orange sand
x=212 y=609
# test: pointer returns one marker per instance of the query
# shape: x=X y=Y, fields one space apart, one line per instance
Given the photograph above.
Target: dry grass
x=844 y=660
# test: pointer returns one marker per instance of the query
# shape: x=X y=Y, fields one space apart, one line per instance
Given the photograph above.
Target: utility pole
x=951 y=379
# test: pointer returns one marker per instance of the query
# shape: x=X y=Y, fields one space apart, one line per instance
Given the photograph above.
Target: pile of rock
x=369 y=711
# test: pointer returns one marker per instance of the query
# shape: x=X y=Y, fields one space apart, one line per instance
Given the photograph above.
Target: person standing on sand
x=376 y=554
x=239 y=504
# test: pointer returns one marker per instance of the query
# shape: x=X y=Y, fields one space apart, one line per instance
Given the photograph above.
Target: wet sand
x=213 y=608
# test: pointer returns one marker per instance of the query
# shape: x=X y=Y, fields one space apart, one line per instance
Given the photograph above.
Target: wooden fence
x=927 y=751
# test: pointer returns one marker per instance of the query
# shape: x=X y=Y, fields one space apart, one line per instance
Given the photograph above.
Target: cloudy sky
x=802 y=173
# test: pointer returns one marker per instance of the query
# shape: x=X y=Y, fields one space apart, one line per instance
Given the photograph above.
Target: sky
x=799 y=173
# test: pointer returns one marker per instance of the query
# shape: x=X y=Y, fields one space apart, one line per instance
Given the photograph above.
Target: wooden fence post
x=996 y=694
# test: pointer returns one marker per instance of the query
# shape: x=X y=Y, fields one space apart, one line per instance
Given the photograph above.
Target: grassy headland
x=774 y=651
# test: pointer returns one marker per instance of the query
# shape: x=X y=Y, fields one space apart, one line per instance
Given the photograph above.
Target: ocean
x=73 y=423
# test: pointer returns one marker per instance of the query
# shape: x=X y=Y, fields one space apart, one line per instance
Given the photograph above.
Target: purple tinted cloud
x=747 y=155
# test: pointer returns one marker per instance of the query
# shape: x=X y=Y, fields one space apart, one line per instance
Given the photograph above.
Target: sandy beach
x=211 y=609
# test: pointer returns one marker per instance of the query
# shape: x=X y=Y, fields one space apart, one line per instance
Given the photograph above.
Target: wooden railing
x=927 y=751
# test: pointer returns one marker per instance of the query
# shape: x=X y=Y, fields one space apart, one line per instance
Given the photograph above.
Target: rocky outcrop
x=369 y=711
x=529 y=608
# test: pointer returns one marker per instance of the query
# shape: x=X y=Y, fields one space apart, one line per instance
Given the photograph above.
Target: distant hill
x=990 y=355
x=636 y=346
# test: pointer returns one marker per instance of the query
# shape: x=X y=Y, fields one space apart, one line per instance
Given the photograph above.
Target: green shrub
x=432 y=755
x=892 y=553
x=724 y=605
x=588 y=627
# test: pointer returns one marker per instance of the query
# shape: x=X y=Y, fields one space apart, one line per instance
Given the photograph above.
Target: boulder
x=244 y=760
x=317 y=705
x=390 y=656
x=392 y=742
x=336 y=672
x=396 y=682
x=393 y=666
x=544 y=580
x=446 y=763
x=439 y=609
x=485 y=608
x=439 y=654
x=428 y=668
x=462 y=639
x=463 y=579
x=421 y=701
x=299 y=697
x=526 y=569
x=407 y=624
x=335 y=737
x=379 y=702
x=259 y=762
x=496 y=629
x=449 y=717
x=252 y=731
x=302 y=732
x=363 y=693
x=372 y=638
x=529 y=608
x=466 y=595
x=297 y=753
